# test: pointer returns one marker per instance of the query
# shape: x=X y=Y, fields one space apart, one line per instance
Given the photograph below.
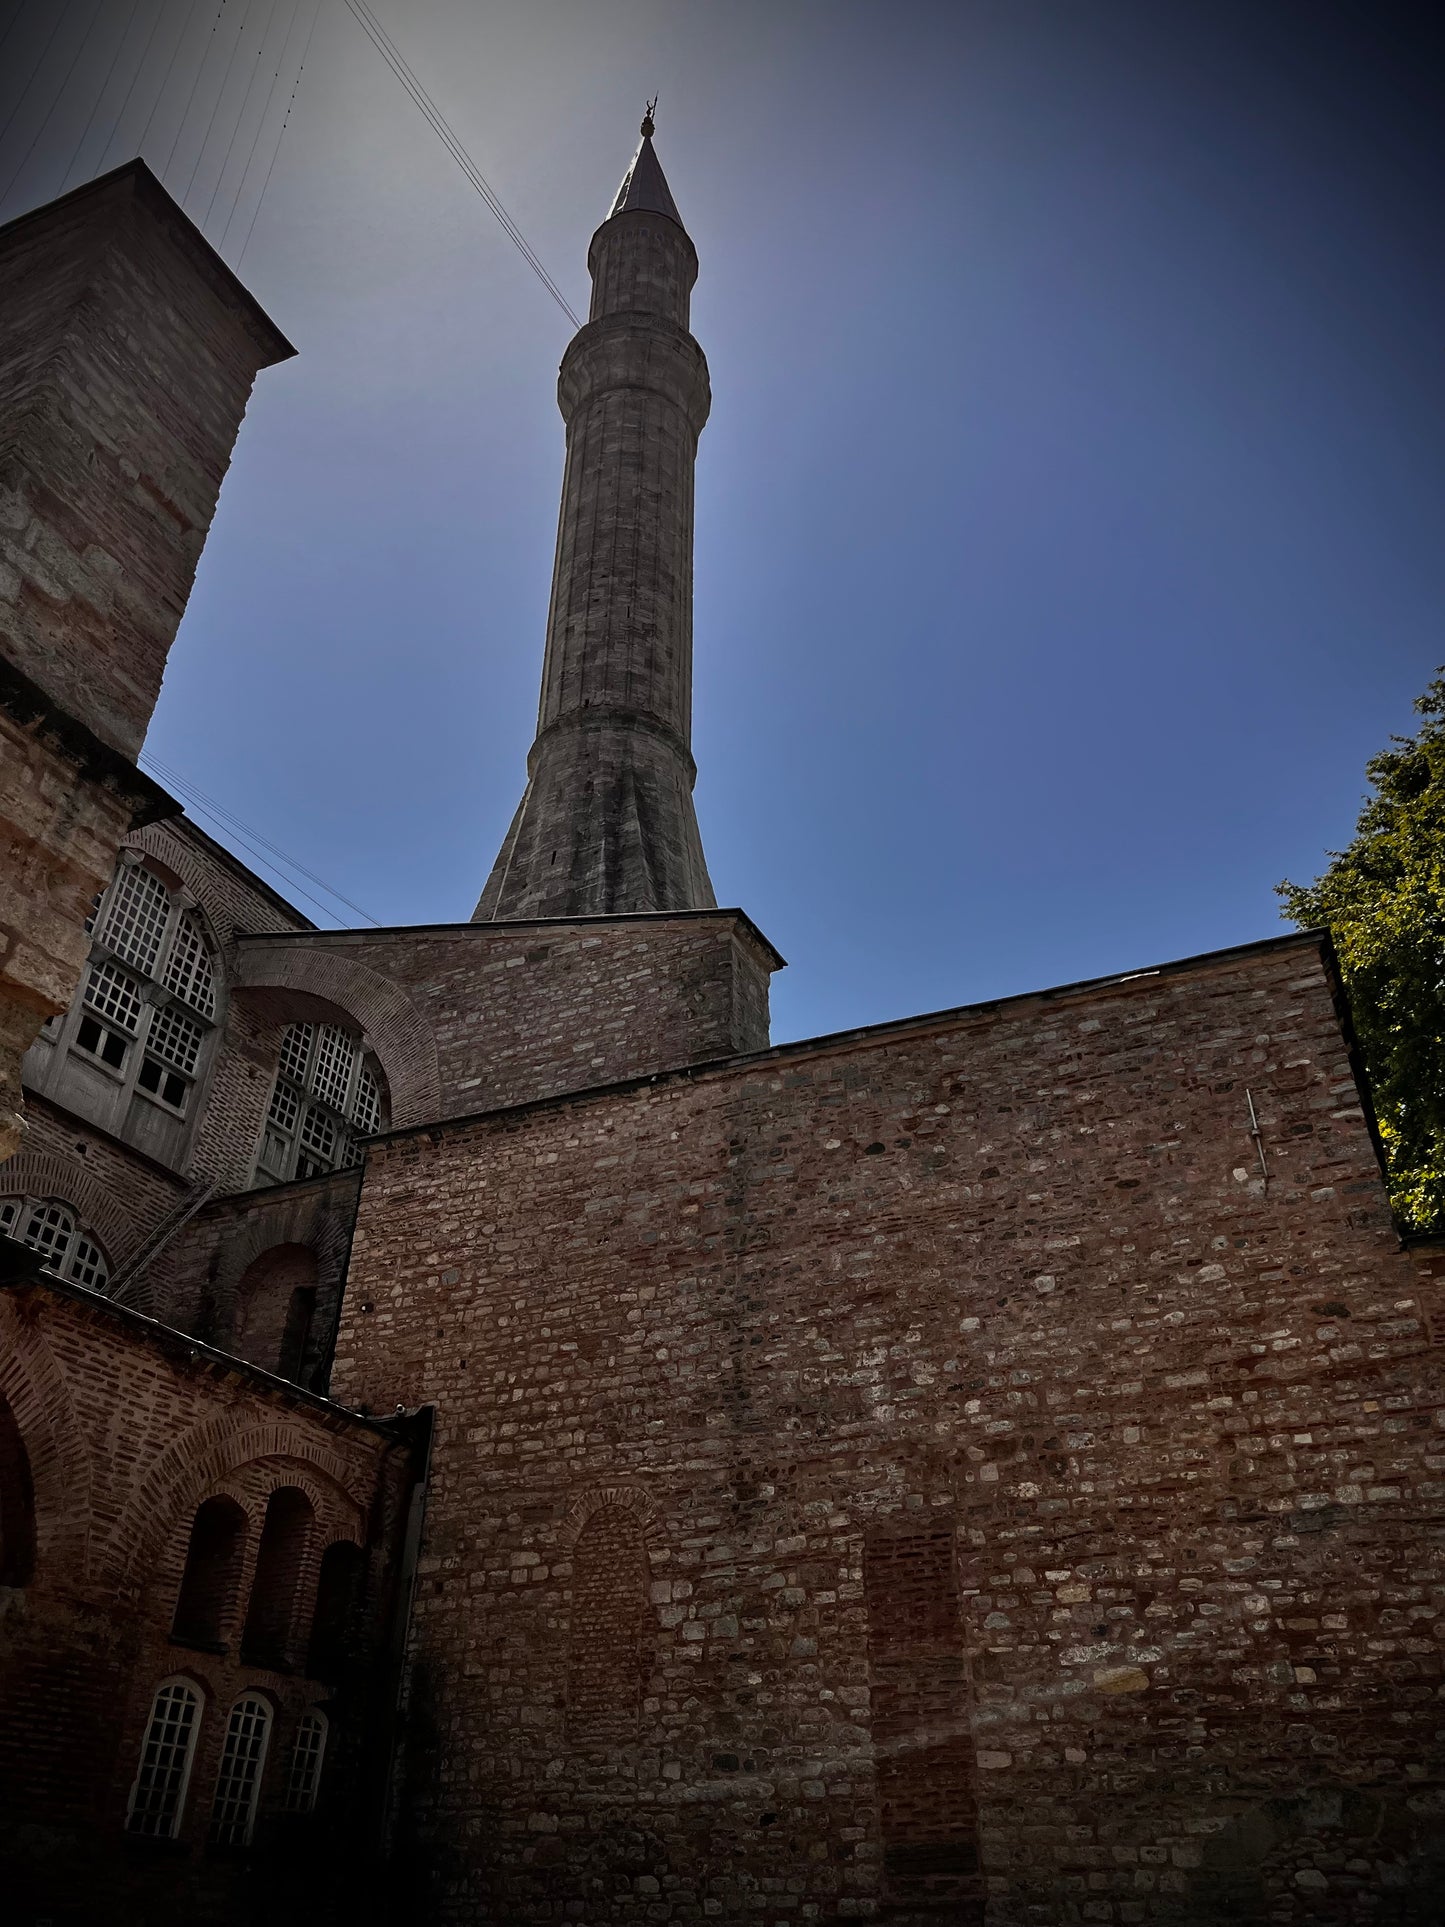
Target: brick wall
x=1013 y=1281
x=126 y=1434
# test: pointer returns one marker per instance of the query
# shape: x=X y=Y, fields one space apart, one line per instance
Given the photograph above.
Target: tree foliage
x=1383 y=900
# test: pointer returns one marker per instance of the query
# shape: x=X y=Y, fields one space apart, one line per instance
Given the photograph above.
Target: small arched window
x=53 y=1229
x=213 y=1567
x=17 y=1505
x=307 y=1752
x=238 y=1783
x=338 y=1592
x=158 y=1797
x=280 y=1562
x=328 y=1092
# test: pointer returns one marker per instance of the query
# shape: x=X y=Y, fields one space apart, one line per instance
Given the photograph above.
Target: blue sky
x=1068 y=519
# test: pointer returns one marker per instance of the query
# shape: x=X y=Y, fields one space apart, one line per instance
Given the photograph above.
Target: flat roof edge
x=1317 y=940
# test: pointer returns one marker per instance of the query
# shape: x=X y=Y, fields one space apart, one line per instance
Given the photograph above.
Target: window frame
x=311 y=1717
x=303 y=1068
x=27 y=1205
x=193 y=1730
x=250 y=1697
x=175 y=993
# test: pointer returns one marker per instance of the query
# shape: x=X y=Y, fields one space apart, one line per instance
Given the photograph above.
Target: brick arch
x=41 y=1174
x=391 y=1023
x=201 y=1459
x=172 y=854
x=632 y=1498
x=61 y=1474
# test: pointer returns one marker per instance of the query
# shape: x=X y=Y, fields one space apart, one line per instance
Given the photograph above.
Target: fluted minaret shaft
x=606 y=824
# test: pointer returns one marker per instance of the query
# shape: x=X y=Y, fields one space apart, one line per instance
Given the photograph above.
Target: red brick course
x=1012 y=1278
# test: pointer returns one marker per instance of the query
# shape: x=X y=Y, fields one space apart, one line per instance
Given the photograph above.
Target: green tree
x=1383 y=900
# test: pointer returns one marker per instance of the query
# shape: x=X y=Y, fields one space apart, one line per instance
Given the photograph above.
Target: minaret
x=606 y=823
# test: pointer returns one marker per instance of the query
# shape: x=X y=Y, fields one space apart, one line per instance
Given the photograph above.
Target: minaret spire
x=606 y=823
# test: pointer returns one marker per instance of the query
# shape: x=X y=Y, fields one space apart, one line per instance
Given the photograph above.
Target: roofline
x=525 y=923
x=1316 y=940
x=309 y=929
x=269 y=336
x=17 y=1276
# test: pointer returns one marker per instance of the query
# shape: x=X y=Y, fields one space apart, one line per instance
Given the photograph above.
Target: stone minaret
x=606 y=823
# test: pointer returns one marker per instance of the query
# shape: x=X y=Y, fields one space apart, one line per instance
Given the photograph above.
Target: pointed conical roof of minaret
x=644 y=185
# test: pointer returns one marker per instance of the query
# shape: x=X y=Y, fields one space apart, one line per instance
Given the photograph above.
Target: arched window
x=280 y=1561
x=53 y=1229
x=17 y=1505
x=158 y=1797
x=607 y=1659
x=238 y=1783
x=338 y=1591
x=275 y=1302
x=307 y=1752
x=132 y=1049
x=328 y=1092
x=213 y=1566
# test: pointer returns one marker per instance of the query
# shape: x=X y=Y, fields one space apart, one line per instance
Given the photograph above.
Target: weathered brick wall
x=127 y=355
x=988 y=1322
x=504 y=1013
x=126 y=1434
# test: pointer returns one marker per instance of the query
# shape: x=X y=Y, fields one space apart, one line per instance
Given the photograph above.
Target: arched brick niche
x=57 y=1462
x=609 y=1631
x=292 y=982
x=275 y=1308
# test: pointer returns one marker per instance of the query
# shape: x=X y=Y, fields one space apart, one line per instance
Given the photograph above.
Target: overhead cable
x=432 y=113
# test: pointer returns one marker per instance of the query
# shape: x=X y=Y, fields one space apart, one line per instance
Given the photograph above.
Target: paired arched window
x=52 y=1228
x=308 y=1750
x=328 y=1092
x=132 y=1050
x=17 y=1505
x=338 y=1592
x=158 y=1797
x=238 y=1783
x=213 y=1570
x=280 y=1562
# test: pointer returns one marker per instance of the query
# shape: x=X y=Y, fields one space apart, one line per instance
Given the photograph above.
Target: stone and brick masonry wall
x=124 y=1434
x=127 y=355
x=925 y=1470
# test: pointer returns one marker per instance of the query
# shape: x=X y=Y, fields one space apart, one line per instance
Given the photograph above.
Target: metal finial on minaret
x=648 y=130
x=606 y=824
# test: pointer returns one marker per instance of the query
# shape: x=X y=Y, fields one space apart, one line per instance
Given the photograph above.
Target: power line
x=216 y=107
x=35 y=137
x=28 y=82
x=240 y=115
x=191 y=96
x=166 y=77
x=275 y=151
x=104 y=90
x=260 y=125
x=440 y=126
x=145 y=54
x=242 y=831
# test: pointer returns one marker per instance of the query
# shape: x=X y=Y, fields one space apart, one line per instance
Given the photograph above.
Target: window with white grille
x=188 y=969
x=53 y=1230
x=238 y=1783
x=307 y=1752
x=135 y=923
x=147 y=1009
x=158 y=1797
x=327 y=1093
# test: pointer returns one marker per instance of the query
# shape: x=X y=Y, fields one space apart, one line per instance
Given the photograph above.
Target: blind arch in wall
x=607 y=1657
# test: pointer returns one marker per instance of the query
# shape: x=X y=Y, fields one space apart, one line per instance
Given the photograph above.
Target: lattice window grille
x=93 y=913
x=116 y=995
x=318 y=1132
x=188 y=969
x=305 y=1773
x=239 y=1780
x=87 y=1264
x=295 y=1049
x=49 y=1230
x=136 y=921
x=366 y=1110
x=335 y=1056
x=176 y=1039
x=285 y=1105
x=159 y=1792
